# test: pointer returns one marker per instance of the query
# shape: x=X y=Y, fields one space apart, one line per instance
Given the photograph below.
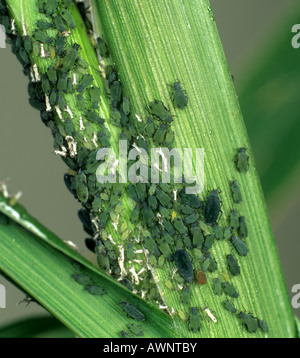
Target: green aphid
x=132 y=192
x=41 y=4
x=249 y=321
x=234 y=220
x=217 y=287
x=186 y=295
x=169 y=138
x=179 y=226
x=152 y=260
x=218 y=232
x=86 y=81
x=187 y=210
x=97 y=204
x=213 y=265
x=102 y=258
x=152 y=201
x=69 y=127
x=227 y=233
x=165 y=250
x=27 y=45
x=59 y=138
x=132 y=311
x=124 y=334
x=233 y=265
x=116 y=93
x=187 y=241
x=191 y=219
x=230 y=306
x=130 y=252
x=40 y=36
x=24 y=56
x=163 y=198
x=46 y=87
x=229 y=289
x=166 y=236
x=103 y=140
x=204 y=228
x=169 y=227
x=83 y=279
x=61 y=102
x=81 y=63
x=150 y=129
x=151 y=245
x=103 y=50
x=178 y=242
x=135 y=330
x=81 y=103
x=263 y=325
x=60 y=45
x=115 y=117
x=103 y=217
x=125 y=282
x=52 y=75
x=95 y=96
x=53 y=97
x=206 y=264
x=96 y=290
x=198 y=238
x=189 y=199
x=194 y=323
x=169 y=285
x=208 y=242
x=93 y=117
x=239 y=245
x=179 y=96
x=148 y=215
x=126 y=106
x=236 y=192
x=70 y=58
x=43 y=24
x=184 y=264
x=81 y=187
x=161 y=261
x=198 y=254
x=59 y=24
x=62 y=82
x=67 y=3
x=50 y=7
x=67 y=16
x=159 y=135
x=243 y=230
x=164 y=212
x=158 y=109
x=242 y=160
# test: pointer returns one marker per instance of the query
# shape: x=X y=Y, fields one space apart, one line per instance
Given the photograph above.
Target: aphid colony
x=166 y=224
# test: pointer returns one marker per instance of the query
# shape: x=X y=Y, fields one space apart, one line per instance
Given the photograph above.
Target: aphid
x=67 y=16
x=152 y=201
x=198 y=254
x=27 y=45
x=212 y=208
x=229 y=289
x=179 y=226
x=93 y=117
x=159 y=135
x=236 y=192
x=67 y=3
x=169 y=227
x=191 y=219
x=59 y=45
x=96 y=290
x=149 y=129
x=198 y=238
x=263 y=325
x=95 y=96
x=62 y=82
x=70 y=58
x=249 y=321
x=242 y=160
x=132 y=311
x=116 y=93
x=50 y=7
x=227 y=233
x=103 y=50
x=115 y=117
x=102 y=258
x=240 y=246
x=124 y=334
x=42 y=37
x=208 y=242
x=59 y=138
x=185 y=296
x=43 y=24
x=126 y=283
x=210 y=315
x=53 y=97
x=169 y=138
x=217 y=287
x=86 y=81
x=165 y=250
x=41 y=5
x=81 y=187
x=52 y=75
x=69 y=127
x=163 y=198
x=90 y=244
x=233 y=265
x=213 y=265
x=59 y=24
x=184 y=264
x=182 y=315
x=161 y=261
x=158 y=109
x=84 y=217
x=206 y=264
x=230 y=306
x=81 y=102
x=218 y=232
x=148 y=215
x=103 y=217
x=234 y=220
x=23 y=56
x=61 y=102
x=130 y=252
x=168 y=238
x=135 y=329
x=195 y=324
x=151 y=245
x=243 y=230
x=179 y=96
x=201 y=278
x=83 y=279
x=126 y=106
x=82 y=63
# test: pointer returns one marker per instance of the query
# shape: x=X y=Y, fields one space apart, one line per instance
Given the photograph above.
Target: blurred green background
x=256 y=36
